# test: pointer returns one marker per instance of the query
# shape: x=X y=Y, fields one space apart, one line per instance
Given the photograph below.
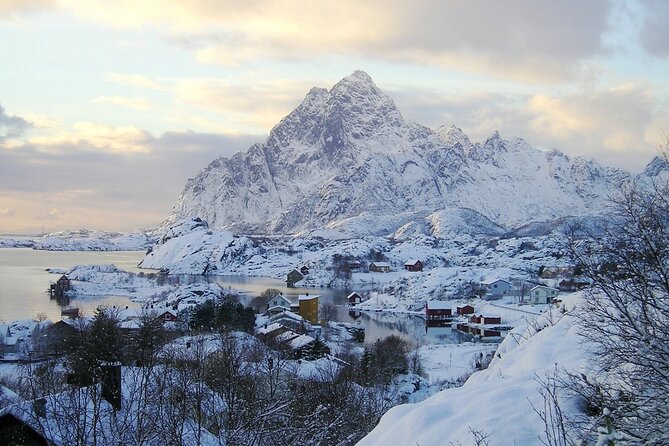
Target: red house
x=168 y=316
x=490 y=319
x=413 y=265
x=438 y=309
x=465 y=309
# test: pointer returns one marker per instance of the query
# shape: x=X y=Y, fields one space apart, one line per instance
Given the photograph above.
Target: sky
x=107 y=108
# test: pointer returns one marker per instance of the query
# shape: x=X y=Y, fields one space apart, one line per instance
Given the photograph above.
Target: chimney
x=111 y=384
x=39 y=406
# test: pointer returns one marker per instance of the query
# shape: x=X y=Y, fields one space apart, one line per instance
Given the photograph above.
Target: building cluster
x=293 y=327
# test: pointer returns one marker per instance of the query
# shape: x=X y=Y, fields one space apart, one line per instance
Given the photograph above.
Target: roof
x=439 y=305
x=308 y=296
x=380 y=264
x=491 y=281
x=287 y=336
x=11 y=340
x=353 y=294
x=288 y=315
x=411 y=262
x=280 y=297
x=270 y=328
x=170 y=311
x=543 y=287
x=300 y=341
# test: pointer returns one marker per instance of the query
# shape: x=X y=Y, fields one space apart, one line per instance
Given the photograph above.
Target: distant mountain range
x=346 y=160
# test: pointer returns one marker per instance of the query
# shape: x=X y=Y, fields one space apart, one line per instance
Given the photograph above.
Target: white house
x=498 y=288
x=541 y=294
x=278 y=301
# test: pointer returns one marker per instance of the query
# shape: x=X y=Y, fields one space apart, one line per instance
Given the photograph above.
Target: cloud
x=12 y=126
x=654 y=33
x=135 y=103
x=515 y=38
x=619 y=126
x=53 y=214
x=260 y=104
x=93 y=187
x=92 y=137
x=250 y=104
x=10 y=9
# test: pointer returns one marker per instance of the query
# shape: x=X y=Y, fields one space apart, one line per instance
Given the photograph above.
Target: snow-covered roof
x=287 y=336
x=353 y=294
x=380 y=264
x=300 y=341
x=286 y=314
x=543 y=287
x=411 y=262
x=308 y=296
x=491 y=281
x=270 y=328
x=11 y=340
x=170 y=311
x=439 y=305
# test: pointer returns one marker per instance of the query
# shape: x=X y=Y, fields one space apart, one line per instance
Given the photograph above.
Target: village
x=299 y=331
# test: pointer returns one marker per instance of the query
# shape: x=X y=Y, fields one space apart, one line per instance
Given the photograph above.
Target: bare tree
x=626 y=318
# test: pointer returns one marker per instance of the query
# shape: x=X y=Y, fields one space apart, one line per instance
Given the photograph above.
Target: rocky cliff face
x=349 y=151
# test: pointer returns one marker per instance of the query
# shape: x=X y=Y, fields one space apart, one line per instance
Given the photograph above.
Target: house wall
x=309 y=310
x=499 y=288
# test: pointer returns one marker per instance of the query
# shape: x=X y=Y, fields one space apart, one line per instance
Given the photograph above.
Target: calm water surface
x=24 y=282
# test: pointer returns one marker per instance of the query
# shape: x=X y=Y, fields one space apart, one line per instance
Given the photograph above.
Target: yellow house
x=309 y=307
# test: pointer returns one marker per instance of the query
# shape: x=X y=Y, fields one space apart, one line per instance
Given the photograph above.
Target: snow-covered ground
x=497 y=401
x=82 y=240
x=90 y=281
x=451 y=264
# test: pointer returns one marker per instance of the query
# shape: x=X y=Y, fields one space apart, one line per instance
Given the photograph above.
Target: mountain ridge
x=348 y=150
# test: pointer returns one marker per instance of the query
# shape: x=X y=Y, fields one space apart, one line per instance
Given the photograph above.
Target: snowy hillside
x=348 y=153
x=83 y=240
x=482 y=404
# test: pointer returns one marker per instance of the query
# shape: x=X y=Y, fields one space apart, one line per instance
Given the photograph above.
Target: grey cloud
x=616 y=123
x=654 y=34
x=12 y=126
x=140 y=188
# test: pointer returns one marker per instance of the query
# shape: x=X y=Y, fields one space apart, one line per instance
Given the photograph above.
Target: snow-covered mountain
x=349 y=152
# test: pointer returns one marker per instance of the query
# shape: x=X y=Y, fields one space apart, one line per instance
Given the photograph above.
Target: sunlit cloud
x=259 y=104
x=620 y=126
x=95 y=137
x=96 y=176
x=10 y=9
x=518 y=39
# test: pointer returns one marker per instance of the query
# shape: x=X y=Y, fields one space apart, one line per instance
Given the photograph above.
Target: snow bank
x=497 y=401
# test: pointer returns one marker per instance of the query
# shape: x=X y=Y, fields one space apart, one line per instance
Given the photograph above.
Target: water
x=24 y=281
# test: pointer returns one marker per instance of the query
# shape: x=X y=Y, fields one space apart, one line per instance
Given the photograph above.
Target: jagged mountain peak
x=347 y=152
x=453 y=135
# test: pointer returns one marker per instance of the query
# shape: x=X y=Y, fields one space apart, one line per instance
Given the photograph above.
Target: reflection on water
x=24 y=280
x=24 y=283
